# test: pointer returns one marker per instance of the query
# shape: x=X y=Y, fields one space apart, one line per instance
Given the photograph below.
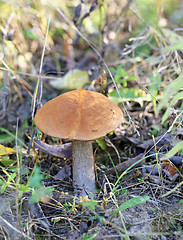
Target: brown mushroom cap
x=80 y=115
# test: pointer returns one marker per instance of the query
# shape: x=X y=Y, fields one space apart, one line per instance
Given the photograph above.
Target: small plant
x=171 y=95
x=128 y=94
x=8 y=183
x=39 y=192
x=86 y=202
x=89 y=237
x=131 y=203
x=121 y=76
x=155 y=130
x=155 y=82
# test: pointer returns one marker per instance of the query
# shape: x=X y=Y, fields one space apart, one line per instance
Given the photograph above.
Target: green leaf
x=6 y=161
x=178 y=147
x=90 y=237
x=3 y=188
x=131 y=203
x=174 y=39
x=29 y=34
x=24 y=188
x=170 y=91
x=35 y=180
x=155 y=82
x=42 y=193
x=121 y=76
x=35 y=196
x=181 y=201
x=12 y=135
x=101 y=143
x=5 y=138
x=175 y=99
x=56 y=220
x=177 y=46
x=129 y=94
x=100 y=218
x=11 y=177
x=131 y=78
x=148 y=12
x=89 y=203
x=39 y=191
x=1 y=182
x=172 y=36
x=74 y=79
x=112 y=69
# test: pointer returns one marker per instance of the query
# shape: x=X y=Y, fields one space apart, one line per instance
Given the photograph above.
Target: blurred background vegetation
x=142 y=39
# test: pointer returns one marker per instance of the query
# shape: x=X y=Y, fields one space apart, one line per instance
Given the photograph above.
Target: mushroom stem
x=83 y=168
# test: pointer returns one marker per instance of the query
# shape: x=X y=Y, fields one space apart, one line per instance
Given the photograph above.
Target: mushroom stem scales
x=83 y=167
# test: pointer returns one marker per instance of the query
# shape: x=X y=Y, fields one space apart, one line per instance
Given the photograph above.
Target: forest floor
x=132 y=53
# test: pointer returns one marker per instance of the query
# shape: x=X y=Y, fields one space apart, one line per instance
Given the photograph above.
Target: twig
x=14 y=229
x=92 y=8
x=125 y=165
x=5 y=77
x=36 y=92
x=39 y=83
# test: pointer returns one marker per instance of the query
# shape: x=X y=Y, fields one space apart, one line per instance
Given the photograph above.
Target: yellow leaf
x=5 y=150
x=74 y=79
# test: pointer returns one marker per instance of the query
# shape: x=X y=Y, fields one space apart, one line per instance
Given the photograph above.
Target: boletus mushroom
x=82 y=116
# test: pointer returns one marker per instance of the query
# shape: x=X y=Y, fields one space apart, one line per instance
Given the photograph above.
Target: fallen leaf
x=63 y=151
x=160 y=140
x=136 y=161
x=73 y=79
x=131 y=203
x=169 y=169
x=5 y=150
x=176 y=160
x=63 y=173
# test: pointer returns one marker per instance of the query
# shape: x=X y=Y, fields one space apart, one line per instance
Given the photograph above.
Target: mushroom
x=82 y=116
